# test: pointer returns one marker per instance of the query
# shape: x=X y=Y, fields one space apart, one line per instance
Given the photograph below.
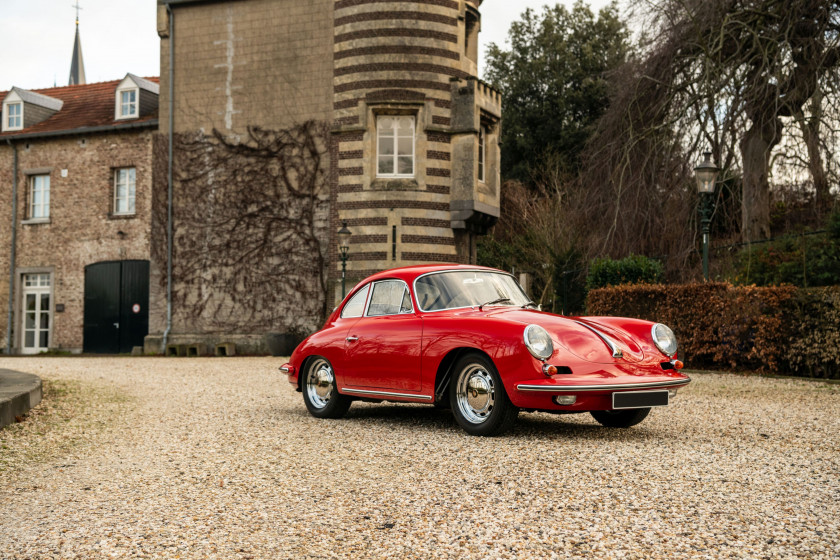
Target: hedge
x=780 y=330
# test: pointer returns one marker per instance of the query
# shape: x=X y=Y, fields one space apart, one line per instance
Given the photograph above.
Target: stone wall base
x=198 y=344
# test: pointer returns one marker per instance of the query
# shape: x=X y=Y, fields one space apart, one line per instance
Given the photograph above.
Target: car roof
x=409 y=273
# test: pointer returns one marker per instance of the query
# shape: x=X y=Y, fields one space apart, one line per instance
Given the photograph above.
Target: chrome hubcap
x=475 y=393
x=320 y=383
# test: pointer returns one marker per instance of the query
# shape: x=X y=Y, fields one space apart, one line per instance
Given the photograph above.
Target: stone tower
x=415 y=133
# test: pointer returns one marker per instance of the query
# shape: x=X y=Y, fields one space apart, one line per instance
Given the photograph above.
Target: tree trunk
x=811 y=134
x=756 y=145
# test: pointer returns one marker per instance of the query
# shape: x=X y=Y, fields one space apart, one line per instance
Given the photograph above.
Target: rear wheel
x=320 y=393
x=478 y=398
x=620 y=418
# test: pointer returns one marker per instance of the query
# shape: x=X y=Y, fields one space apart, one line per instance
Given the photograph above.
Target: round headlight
x=664 y=339
x=538 y=342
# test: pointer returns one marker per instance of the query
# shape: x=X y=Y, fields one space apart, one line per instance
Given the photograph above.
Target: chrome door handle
x=352 y=338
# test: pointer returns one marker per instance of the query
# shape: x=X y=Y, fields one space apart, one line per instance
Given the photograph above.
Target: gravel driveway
x=217 y=458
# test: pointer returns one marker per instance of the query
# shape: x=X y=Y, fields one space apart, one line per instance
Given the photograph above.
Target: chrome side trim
x=367 y=392
x=579 y=388
x=616 y=351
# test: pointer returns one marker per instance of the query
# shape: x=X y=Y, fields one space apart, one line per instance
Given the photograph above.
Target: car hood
x=585 y=339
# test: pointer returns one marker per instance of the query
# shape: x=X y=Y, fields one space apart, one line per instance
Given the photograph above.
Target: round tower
x=414 y=139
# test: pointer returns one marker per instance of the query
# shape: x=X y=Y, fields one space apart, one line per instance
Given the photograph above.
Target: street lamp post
x=706 y=175
x=343 y=248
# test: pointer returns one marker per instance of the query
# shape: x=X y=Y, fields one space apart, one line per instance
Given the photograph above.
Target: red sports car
x=469 y=337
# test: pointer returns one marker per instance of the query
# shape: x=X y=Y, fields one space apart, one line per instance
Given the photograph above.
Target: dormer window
x=135 y=97
x=128 y=104
x=14 y=116
x=23 y=108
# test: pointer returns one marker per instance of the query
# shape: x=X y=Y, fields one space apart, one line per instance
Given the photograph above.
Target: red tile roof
x=85 y=106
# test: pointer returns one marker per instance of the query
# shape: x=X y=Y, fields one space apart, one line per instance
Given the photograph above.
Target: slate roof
x=86 y=107
x=143 y=83
x=37 y=98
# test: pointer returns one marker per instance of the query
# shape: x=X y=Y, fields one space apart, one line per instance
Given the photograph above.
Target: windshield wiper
x=491 y=302
x=530 y=303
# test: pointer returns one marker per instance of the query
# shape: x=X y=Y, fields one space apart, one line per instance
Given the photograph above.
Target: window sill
x=394 y=184
x=121 y=216
x=35 y=221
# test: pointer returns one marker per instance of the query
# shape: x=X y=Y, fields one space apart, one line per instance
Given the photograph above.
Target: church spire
x=77 y=65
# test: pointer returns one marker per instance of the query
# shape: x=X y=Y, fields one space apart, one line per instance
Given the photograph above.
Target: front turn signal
x=678 y=364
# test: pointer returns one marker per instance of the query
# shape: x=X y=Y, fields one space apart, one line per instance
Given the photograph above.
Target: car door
x=382 y=349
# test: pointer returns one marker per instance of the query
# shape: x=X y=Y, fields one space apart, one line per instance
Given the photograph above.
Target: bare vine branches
x=250 y=223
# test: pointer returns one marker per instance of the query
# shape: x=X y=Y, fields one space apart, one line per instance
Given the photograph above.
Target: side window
x=356 y=306
x=388 y=298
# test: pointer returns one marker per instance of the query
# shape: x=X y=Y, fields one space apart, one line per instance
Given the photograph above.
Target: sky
x=120 y=36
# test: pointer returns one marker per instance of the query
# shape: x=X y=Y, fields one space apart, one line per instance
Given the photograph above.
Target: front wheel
x=620 y=418
x=478 y=398
x=320 y=393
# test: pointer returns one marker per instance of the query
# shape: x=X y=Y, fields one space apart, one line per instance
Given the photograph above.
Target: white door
x=36 y=313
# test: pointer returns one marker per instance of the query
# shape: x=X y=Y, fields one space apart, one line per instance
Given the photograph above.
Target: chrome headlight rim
x=666 y=341
x=529 y=335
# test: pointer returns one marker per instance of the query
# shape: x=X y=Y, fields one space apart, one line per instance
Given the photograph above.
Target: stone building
x=292 y=118
x=75 y=201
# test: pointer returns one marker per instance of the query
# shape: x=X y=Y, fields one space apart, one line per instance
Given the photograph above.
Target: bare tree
x=728 y=74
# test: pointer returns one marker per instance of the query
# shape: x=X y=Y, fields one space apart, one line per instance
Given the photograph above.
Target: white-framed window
x=395 y=146
x=39 y=196
x=127 y=104
x=14 y=116
x=124 y=190
x=482 y=151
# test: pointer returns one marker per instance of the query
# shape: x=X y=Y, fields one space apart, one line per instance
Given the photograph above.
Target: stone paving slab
x=19 y=392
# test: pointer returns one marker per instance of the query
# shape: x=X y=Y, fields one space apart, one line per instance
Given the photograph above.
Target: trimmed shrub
x=815 y=350
x=635 y=269
x=780 y=329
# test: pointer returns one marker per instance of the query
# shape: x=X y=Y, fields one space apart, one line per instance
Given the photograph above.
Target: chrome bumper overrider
x=578 y=388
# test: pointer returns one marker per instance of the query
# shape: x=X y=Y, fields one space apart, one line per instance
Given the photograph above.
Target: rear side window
x=356 y=306
x=389 y=298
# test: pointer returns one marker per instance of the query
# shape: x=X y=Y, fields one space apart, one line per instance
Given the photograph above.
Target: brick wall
x=81 y=228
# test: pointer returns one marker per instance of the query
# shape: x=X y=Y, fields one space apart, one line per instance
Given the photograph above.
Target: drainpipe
x=171 y=16
x=10 y=321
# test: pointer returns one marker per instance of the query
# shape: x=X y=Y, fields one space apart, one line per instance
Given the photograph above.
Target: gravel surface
x=218 y=458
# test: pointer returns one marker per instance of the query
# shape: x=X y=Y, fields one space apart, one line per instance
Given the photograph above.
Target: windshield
x=449 y=290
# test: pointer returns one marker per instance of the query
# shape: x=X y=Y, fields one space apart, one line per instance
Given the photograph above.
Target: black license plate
x=640 y=399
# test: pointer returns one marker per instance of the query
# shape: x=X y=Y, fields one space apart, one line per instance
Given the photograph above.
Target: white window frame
x=130 y=183
x=132 y=106
x=7 y=116
x=482 y=153
x=393 y=134
x=39 y=210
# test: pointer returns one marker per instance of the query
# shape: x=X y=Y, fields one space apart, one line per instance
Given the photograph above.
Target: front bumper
x=575 y=388
x=540 y=394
